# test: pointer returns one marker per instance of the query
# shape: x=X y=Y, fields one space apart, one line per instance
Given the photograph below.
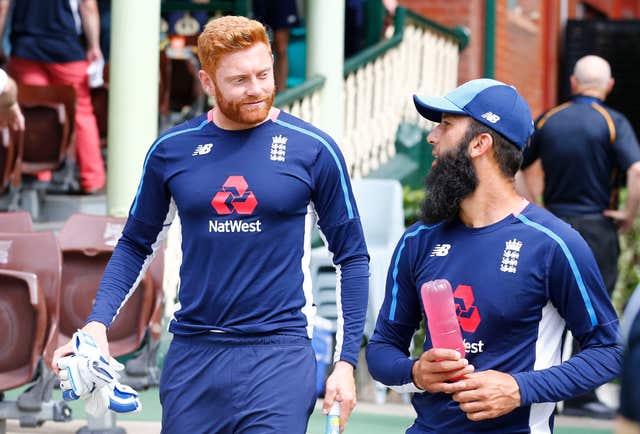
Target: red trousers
x=92 y=175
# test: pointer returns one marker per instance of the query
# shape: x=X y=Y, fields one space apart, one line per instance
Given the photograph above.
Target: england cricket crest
x=510 y=256
x=278 y=148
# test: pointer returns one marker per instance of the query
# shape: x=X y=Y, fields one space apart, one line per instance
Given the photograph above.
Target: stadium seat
x=49 y=113
x=30 y=268
x=381 y=213
x=87 y=242
x=37 y=256
x=16 y=221
x=10 y=168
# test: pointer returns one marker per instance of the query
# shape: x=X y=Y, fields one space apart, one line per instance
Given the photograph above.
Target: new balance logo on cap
x=202 y=149
x=491 y=117
x=481 y=99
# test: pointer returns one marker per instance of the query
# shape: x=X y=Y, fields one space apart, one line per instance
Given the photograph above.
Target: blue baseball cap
x=491 y=102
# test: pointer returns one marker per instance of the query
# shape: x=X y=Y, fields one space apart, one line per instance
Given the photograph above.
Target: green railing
x=306 y=89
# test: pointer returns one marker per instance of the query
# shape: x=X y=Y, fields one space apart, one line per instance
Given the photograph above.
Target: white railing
x=378 y=94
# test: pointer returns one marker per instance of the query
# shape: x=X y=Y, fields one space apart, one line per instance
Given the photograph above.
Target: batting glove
x=115 y=397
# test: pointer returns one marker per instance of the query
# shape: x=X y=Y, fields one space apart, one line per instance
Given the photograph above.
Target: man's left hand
x=341 y=386
x=487 y=395
x=621 y=217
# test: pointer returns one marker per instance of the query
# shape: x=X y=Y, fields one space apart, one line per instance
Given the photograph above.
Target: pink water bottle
x=444 y=329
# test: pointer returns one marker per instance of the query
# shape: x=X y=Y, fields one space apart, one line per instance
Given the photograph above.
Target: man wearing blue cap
x=518 y=273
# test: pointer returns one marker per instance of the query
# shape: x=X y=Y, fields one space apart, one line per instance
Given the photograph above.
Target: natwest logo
x=468 y=313
x=234 y=196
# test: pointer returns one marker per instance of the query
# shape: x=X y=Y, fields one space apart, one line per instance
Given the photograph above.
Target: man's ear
x=480 y=145
x=206 y=82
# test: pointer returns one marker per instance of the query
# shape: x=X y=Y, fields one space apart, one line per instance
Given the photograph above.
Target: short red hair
x=226 y=35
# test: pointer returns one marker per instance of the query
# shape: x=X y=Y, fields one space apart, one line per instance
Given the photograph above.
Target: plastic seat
x=30 y=267
x=11 y=150
x=382 y=216
x=16 y=221
x=49 y=113
x=87 y=242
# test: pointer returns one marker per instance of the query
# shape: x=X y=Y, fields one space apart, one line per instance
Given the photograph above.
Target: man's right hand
x=97 y=330
x=437 y=366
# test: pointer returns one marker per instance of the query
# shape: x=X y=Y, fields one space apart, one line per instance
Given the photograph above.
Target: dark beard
x=451 y=180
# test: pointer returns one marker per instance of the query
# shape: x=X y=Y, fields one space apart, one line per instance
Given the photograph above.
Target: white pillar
x=133 y=97
x=325 y=56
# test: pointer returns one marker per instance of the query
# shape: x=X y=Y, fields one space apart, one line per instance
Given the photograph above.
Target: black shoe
x=593 y=409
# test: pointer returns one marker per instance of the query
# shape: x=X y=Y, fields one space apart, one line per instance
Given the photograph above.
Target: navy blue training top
x=585 y=147
x=246 y=201
x=517 y=283
x=47 y=31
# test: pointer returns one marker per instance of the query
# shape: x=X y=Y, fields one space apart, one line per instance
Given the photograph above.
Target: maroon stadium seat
x=16 y=221
x=49 y=113
x=87 y=242
x=30 y=267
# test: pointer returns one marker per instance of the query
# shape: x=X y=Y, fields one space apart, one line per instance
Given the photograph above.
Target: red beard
x=238 y=112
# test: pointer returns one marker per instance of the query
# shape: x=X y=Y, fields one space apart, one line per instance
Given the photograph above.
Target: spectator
x=584 y=147
x=279 y=16
x=48 y=47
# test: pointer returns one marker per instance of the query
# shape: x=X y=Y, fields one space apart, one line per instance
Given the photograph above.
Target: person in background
x=54 y=42
x=587 y=149
x=279 y=16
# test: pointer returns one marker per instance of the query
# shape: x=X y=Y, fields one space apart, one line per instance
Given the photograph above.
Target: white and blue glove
x=87 y=375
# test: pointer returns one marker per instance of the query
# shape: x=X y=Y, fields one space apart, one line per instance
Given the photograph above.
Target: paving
x=367 y=419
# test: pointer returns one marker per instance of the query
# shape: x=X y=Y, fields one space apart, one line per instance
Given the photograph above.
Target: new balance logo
x=491 y=117
x=440 y=250
x=202 y=149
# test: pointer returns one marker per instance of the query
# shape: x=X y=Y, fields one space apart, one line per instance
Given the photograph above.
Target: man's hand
x=94 y=53
x=437 y=366
x=622 y=218
x=487 y=395
x=99 y=333
x=341 y=386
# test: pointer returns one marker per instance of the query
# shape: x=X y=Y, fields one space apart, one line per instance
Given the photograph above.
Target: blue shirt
x=630 y=382
x=47 y=31
x=585 y=148
x=516 y=284
x=245 y=200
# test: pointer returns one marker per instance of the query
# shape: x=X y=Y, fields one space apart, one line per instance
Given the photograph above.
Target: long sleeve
x=576 y=290
x=340 y=223
x=388 y=351
x=149 y=218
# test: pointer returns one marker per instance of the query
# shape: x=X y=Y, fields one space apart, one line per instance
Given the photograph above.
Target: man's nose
x=253 y=87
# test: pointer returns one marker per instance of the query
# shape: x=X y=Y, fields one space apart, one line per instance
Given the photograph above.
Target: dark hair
x=508 y=155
